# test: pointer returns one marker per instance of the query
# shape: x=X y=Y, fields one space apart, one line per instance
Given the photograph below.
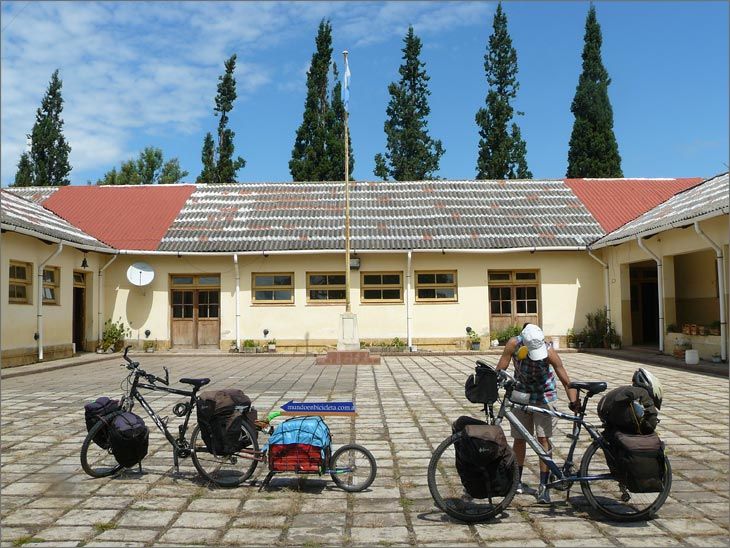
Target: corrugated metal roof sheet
x=384 y=215
x=707 y=199
x=16 y=211
x=37 y=194
x=125 y=217
x=614 y=202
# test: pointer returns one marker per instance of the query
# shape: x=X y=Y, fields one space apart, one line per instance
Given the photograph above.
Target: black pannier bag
x=481 y=386
x=484 y=460
x=637 y=460
x=129 y=438
x=629 y=409
x=93 y=412
x=220 y=414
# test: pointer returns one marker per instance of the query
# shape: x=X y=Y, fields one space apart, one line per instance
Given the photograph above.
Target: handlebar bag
x=220 y=416
x=637 y=460
x=617 y=410
x=484 y=460
x=129 y=438
x=93 y=412
x=481 y=386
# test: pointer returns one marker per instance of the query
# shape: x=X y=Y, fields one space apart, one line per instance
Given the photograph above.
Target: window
x=513 y=293
x=189 y=291
x=79 y=279
x=182 y=304
x=326 y=287
x=20 y=284
x=436 y=286
x=208 y=303
x=381 y=287
x=51 y=283
x=272 y=288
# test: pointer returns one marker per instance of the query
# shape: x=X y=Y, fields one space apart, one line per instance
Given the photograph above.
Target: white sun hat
x=534 y=340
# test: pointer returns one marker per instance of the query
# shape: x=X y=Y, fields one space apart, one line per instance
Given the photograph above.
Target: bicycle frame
x=505 y=411
x=134 y=394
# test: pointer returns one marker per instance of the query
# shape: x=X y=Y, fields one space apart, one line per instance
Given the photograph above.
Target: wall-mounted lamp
x=84 y=262
x=354 y=263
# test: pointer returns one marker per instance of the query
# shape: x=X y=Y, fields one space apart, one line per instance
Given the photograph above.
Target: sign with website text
x=319 y=408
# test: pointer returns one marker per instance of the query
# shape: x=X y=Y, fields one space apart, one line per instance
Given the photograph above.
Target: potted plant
x=715 y=327
x=249 y=346
x=570 y=338
x=680 y=348
x=716 y=357
x=272 y=345
x=397 y=345
x=112 y=338
x=149 y=346
x=673 y=328
x=474 y=340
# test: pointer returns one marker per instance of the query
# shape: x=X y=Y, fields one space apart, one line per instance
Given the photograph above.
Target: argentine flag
x=346 y=87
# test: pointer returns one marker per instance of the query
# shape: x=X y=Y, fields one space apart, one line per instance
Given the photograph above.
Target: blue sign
x=319 y=407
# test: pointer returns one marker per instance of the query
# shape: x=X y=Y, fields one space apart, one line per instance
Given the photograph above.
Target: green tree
x=411 y=153
x=25 y=175
x=502 y=152
x=220 y=166
x=148 y=169
x=336 y=135
x=593 y=148
x=48 y=158
x=310 y=160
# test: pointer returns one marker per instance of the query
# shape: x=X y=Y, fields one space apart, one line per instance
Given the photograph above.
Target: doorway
x=195 y=311
x=79 y=311
x=644 y=303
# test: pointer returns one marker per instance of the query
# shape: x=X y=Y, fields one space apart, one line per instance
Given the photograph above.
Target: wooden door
x=79 y=311
x=183 y=318
x=207 y=317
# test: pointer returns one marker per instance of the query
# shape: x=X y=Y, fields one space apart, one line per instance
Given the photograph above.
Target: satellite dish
x=140 y=274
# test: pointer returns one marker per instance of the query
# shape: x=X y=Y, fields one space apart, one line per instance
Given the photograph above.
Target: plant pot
x=150 y=350
x=714 y=331
x=615 y=346
x=475 y=345
x=248 y=349
x=686 y=329
x=272 y=348
x=716 y=359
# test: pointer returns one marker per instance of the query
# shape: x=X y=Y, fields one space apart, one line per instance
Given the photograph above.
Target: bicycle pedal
x=571 y=436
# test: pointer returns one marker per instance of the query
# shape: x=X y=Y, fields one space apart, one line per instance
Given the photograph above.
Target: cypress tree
x=25 y=175
x=48 y=158
x=593 y=148
x=411 y=153
x=502 y=153
x=222 y=167
x=310 y=160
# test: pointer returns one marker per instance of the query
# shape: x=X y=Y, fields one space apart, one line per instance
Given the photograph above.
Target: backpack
x=484 y=460
x=481 y=386
x=220 y=415
x=129 y=438
x=629 y=409
x=300 y=444
x=636 y=460
x=93 y=412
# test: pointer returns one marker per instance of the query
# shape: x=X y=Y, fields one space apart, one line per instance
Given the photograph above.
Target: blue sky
x=144 y=74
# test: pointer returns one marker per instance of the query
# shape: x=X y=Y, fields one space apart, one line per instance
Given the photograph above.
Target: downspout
x=100 y=322
x=409 y=314
x=605 y=287
x=720 y=289
x=238 y=312
x=660 y=290
x=39 y=304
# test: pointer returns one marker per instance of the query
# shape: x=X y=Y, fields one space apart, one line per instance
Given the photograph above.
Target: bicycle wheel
x=613 y=499
x=448 y=491
x=229 y=470
x=97 y=461
x=353 y=468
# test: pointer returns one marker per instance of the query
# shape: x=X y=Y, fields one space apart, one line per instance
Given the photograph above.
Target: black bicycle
x=224 y=471
x=603 y=491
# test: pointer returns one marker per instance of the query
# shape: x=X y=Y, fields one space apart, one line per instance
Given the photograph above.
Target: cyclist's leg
x=519 y=445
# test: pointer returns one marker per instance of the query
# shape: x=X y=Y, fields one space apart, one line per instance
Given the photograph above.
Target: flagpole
x=347 y=208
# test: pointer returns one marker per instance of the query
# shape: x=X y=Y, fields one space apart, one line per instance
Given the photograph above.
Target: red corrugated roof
x=124 y=217
x=615 y=202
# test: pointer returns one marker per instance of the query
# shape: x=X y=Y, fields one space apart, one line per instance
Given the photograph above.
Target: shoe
x=543 y=495
x=520 y=488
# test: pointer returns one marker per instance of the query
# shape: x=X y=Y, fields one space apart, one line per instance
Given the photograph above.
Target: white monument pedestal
x=348 y=338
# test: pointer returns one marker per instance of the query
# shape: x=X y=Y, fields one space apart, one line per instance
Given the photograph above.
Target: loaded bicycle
x=606 y=491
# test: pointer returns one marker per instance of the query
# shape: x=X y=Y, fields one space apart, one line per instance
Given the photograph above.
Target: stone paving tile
x=405 y=408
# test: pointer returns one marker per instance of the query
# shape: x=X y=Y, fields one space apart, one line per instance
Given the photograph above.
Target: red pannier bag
x=295 y=457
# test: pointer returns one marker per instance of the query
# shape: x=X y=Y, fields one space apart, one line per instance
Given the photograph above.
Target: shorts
x=540 y=426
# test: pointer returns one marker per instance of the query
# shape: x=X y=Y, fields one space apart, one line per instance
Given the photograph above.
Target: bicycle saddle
x=590 y=387
x=195 y=382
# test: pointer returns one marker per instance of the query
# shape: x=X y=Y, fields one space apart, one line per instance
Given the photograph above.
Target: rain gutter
x=720 y=289
x=660 y=289
x=39 y=304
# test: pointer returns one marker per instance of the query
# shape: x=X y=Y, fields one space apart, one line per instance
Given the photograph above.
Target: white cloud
x=153 y=66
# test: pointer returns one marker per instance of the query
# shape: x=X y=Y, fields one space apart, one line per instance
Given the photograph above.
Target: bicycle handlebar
x=134 y=366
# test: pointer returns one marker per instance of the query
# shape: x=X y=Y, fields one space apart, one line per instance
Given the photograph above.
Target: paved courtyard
x=405 y=406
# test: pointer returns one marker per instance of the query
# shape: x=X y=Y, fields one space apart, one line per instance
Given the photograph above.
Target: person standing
x=536 y=365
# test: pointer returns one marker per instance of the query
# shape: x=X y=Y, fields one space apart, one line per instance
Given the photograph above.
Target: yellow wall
x=696 y=288
x=673 y=245
x=567 y=294
x=19 y=320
